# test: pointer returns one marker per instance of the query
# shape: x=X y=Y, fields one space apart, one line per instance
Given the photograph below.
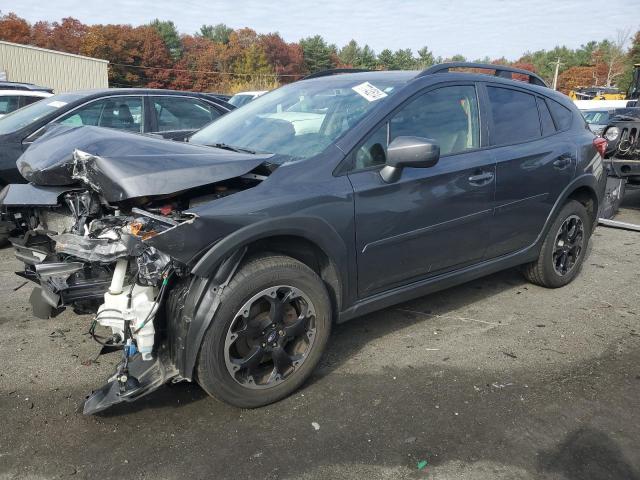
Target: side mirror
x=414 y=152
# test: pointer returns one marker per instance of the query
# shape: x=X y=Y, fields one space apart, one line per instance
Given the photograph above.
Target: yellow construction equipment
x=609 y=93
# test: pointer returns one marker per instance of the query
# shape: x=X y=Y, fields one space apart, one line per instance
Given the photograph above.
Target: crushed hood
x=121 y=165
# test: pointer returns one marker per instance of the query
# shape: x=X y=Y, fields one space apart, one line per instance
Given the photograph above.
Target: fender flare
x=216 y=268
x=588 y=180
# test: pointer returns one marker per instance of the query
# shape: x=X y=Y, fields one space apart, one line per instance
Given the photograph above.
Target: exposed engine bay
x=93 y=256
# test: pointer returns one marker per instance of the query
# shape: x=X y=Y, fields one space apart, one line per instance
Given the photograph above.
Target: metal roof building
x=61 y=71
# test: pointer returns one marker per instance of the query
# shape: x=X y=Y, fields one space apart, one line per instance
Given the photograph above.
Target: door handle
x=563 y=162
x=481 y=178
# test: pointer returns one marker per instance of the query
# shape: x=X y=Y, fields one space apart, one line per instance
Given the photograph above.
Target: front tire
x=563 y=249
x=268 y=334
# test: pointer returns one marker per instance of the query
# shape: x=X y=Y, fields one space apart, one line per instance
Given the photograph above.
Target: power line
x=212 y=72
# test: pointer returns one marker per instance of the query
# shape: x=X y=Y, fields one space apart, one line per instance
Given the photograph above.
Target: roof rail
x=501 y=70
x=335 y=71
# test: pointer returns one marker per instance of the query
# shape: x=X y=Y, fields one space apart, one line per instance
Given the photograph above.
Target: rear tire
x=268 y=334
x=564 y=248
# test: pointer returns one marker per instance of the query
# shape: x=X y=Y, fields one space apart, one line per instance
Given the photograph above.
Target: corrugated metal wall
x=63 y=72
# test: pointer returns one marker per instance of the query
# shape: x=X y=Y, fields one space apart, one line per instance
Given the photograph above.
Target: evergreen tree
x=219 y=33
x=317 y=54
x=169 y=33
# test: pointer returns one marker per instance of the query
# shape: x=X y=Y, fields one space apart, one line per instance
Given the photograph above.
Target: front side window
x=515 y=116
x=182 y=113
x=122 y=113
x=302 y=119
x=448 y=115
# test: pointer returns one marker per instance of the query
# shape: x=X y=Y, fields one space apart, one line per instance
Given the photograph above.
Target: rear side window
x=9 y=103
x=515 y=116
x=182 y=113
x=545 y=118
x=561 y=115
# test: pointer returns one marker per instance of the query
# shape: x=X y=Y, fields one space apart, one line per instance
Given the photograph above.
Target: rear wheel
x=268 y=334
x=563 y=249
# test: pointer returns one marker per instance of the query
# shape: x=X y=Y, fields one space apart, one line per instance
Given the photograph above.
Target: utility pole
x=555 y=75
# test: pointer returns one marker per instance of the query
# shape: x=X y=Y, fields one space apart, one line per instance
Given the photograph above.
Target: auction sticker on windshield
x=369 y=92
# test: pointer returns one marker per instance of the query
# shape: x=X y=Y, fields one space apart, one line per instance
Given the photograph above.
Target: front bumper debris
x=143 y=377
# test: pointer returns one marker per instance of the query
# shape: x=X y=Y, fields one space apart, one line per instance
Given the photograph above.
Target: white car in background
x=12 y=99
x=242 y=98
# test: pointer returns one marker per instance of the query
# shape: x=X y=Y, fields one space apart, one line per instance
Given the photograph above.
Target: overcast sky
x=474 y=28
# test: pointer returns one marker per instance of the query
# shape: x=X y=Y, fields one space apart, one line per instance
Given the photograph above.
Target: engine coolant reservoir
x=113 y=312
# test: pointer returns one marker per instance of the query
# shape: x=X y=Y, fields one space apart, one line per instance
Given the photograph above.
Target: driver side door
x=431 y=220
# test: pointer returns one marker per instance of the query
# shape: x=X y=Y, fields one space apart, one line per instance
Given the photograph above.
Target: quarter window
x=545 y=118
x=122 y=113
x=515 y=116
x=448 y=115
x=562 y=115
x=180 y=113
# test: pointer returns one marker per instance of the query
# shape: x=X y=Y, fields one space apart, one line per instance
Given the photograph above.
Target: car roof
x=408 y=76
x=84 y=95
x=4 y=85
x=141 y=91
x=400 y=75
x=24 y=93
x=253 y=93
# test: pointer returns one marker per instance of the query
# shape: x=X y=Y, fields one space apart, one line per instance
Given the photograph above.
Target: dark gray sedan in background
x=172 y=114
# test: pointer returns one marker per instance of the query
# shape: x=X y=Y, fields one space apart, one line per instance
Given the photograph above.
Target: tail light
x=601 y=145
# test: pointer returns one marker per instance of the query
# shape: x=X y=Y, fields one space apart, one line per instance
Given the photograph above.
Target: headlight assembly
x=612 y=133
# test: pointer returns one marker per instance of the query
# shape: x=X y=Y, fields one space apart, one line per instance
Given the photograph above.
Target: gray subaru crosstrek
x=226 y=260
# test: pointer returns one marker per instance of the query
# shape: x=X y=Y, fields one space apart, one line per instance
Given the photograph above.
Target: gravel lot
x=495 y=379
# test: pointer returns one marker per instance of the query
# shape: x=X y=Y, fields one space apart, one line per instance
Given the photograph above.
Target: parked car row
x=226 y=259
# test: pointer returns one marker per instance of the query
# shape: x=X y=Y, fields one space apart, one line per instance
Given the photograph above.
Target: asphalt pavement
x=495 y=379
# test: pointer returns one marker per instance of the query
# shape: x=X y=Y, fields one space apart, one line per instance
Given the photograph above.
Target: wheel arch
x=583 y=189
x=587 y=196
x=312 y=242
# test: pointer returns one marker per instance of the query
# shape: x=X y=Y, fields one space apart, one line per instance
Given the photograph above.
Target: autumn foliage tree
x=219 y=58
x=14 y=29
x=575 y=77
x=287 y=59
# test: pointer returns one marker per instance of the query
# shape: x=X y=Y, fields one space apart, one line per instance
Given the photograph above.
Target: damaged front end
x=94 y=250
x=93 y=258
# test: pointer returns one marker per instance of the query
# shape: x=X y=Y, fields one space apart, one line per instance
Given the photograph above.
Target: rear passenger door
x=535 y=162
x=177 y=117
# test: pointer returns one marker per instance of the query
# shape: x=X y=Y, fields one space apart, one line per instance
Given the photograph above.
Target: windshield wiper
x=232 y=148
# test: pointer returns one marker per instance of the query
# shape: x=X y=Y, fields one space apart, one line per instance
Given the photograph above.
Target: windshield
x=600 y=117
x=240 y=99
x=21 y=118
x=301 y=119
